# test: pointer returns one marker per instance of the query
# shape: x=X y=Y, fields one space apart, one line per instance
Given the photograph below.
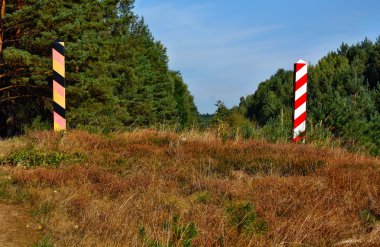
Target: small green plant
x=148 y=241
x=179 y=234
x=182 y=234
x=369 y=217
x=45 y=242
x=203 y=197
x=42 y=210
x=242 y=215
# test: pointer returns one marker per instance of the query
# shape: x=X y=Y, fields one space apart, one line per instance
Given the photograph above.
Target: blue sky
x=224 y=49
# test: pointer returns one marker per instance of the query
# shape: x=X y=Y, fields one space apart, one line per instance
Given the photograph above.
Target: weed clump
x=203 y=197
x=370 y=218
x=178 y=234
x=243 y=217
x=45 y=242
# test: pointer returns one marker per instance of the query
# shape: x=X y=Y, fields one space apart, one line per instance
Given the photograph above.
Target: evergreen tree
x=187 y=112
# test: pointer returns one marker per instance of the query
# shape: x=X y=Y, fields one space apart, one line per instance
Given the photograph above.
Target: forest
x=343 y=98
x=118 y=79
x=117 y=73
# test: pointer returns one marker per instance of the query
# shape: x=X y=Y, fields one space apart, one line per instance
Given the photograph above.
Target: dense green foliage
x=343 y=97
x=117 y=74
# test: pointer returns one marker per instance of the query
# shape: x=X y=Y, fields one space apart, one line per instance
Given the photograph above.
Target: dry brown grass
x=126 y=188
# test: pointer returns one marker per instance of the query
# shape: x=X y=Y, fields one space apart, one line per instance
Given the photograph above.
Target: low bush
x=243 y=217
x=32 y=158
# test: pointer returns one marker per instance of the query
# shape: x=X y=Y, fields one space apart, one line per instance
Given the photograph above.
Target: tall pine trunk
x=19 y=24
x=2 y=7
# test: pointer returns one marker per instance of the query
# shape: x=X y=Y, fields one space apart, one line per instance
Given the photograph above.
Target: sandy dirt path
x=15 y=227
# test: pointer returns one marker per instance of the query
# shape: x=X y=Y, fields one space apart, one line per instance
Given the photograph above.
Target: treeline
x=343 y=99
x=118 y=78
x=117 y=73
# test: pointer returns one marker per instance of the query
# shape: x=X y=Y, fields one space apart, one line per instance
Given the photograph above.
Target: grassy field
x=152 y=188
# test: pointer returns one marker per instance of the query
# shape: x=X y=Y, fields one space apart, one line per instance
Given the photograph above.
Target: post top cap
x=301 y=61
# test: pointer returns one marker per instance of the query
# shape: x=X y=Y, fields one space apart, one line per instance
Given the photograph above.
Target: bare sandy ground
x=16 y=228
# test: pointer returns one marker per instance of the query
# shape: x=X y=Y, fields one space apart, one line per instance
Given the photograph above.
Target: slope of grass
x=151 y=188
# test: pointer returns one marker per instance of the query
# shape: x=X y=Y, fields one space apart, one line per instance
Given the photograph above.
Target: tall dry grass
x=157 y=188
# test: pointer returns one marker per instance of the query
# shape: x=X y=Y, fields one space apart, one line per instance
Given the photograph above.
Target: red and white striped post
x=300 y=96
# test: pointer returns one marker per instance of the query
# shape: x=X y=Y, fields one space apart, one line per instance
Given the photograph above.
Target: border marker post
x=59 y=92
x=300 y=97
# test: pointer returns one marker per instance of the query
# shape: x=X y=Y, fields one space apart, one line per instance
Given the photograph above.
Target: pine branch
x=16 y=97
x=16 y=86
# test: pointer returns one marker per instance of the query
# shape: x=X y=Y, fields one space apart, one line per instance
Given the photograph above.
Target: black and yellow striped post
x=59 y=95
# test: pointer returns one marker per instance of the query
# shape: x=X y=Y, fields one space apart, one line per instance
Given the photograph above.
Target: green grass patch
x=5 y=186
x=243 y=217
x=32 y=158
x=45 y=242
x=9 y=191
x=203 y=197
x=370 y=217
x=43 y=210
x=179 y=234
